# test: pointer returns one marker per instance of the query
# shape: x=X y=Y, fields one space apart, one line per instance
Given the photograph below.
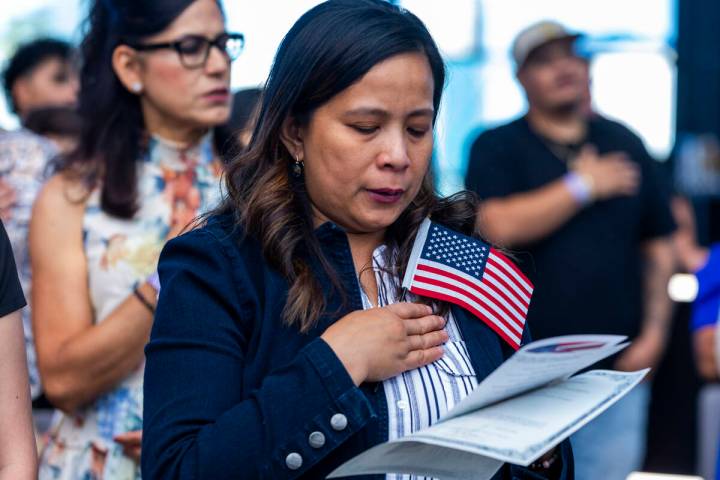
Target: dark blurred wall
x=698 y=88
x=672 y=425
x=698 y=46
x=673 y=413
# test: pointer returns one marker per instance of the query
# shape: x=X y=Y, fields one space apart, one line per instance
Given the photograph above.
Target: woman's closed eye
x=365 y=129
x=418 y=132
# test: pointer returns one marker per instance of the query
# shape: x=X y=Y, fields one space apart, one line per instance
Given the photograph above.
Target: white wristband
x=580 y=187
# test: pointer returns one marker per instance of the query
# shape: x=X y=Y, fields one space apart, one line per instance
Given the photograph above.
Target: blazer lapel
x=483 y=344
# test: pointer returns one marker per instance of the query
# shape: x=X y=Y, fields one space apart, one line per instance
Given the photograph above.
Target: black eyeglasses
x=194 y=50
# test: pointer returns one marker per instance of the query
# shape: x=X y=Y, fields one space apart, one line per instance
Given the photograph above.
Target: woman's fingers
x=378 y=343
x=423 y=325
x=410 y=310
x=420 y=358
x=428 y=340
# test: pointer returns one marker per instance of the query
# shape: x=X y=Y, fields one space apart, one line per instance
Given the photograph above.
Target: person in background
x=24 y=159
x=246 y=104
x=281 y=347
x=26 y=156
x=40 y=74
x=155 y=81
x=18 y=456
x=579 y=193
x=704 y=262
x=234 y=137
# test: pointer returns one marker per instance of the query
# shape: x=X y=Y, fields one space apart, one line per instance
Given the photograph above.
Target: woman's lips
x=385 y=195
x=219 y=95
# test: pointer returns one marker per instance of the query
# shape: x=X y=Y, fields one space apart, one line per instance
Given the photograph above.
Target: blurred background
x=635 y=48
x=655 y=67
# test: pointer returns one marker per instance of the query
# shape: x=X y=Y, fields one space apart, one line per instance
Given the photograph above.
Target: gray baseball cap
x=537 y=35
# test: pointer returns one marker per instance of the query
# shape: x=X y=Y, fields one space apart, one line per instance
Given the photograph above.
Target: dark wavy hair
x=113 y=132
x=329 y=48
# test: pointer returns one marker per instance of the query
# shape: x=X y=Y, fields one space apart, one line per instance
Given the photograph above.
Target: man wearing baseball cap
x=578 y=193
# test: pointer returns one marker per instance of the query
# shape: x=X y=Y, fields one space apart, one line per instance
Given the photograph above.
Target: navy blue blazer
x=231 y=392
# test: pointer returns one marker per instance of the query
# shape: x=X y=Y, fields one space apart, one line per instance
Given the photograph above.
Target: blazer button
x=339 y=422
x=316 y=440
x=294 y=461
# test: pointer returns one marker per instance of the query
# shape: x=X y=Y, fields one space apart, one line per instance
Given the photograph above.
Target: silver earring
x=136 y=87
x=297 y=167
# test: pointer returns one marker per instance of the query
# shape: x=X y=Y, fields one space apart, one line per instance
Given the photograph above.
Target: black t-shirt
x=588 y=273
x=11 y=295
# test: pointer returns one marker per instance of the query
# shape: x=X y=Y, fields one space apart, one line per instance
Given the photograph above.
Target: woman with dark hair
x=154 y=83
x=280 y=349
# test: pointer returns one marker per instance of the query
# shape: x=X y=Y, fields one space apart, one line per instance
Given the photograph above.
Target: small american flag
x=449 y=266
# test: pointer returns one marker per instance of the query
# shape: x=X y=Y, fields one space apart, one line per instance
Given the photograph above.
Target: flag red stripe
x=513 y=294
x=512 y=265
x=521 y=311
x=517 y=326
x=447 y=298
x=497 y=271
x=470 y=284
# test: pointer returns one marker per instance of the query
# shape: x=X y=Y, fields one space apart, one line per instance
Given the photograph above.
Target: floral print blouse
x=174 y=184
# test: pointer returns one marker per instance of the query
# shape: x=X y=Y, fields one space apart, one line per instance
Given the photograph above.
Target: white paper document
x=522 y=410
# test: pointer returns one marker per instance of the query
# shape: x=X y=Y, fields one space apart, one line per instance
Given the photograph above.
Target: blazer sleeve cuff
x=348 y=411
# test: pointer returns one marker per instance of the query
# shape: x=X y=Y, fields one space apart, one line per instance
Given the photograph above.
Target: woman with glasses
x=155 y=82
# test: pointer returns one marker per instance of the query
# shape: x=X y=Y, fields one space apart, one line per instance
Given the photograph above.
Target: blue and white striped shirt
x=417 y=398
